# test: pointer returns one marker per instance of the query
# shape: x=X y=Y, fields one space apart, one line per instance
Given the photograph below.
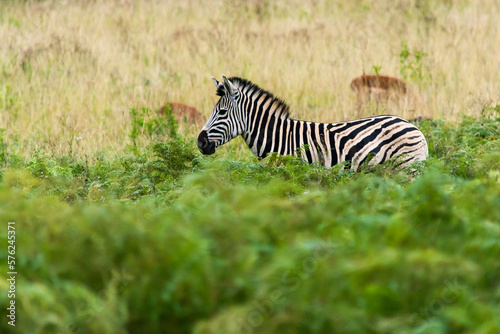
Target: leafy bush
x=150 y=124
x=411 y=64
x=367 y=256
x=171 y=241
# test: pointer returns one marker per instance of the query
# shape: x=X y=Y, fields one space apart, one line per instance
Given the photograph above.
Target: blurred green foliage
x=152 y=125
x=411 y=64
x=165 y=240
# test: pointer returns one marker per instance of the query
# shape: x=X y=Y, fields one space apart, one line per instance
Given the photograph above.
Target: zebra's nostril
x=202 y=139
x=204 y=144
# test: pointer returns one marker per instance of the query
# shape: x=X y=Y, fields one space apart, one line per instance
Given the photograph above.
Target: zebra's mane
x=279 y=107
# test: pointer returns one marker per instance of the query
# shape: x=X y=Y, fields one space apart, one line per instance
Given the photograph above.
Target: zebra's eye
x=222 y=111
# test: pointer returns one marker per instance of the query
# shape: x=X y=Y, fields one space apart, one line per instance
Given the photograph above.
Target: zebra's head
x=226 y=121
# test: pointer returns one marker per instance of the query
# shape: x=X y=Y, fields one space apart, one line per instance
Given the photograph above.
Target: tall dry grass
x=73 y=69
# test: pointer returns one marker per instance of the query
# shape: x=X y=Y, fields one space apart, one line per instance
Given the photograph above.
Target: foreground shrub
x=367 y=255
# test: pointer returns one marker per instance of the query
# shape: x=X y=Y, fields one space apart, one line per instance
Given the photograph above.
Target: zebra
x=264 y=122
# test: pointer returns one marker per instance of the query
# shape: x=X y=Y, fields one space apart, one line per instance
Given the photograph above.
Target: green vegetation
x=122 y=226
x=411 y=64
x=172 y=241
x=376 y=69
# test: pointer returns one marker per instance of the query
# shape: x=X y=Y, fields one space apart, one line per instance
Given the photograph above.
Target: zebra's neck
x=268 y=127
x=267 y=121
x=285 y=136
x=275 y=134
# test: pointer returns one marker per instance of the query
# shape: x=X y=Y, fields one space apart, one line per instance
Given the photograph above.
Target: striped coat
x=264 y=122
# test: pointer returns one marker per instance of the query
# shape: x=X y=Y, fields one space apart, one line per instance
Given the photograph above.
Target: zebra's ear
x=221 y=90
x=216 y=83
x=229 y=86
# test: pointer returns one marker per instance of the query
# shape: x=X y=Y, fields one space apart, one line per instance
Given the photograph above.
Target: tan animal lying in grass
x=382 y=89
x=184 y=114
x=377 y=88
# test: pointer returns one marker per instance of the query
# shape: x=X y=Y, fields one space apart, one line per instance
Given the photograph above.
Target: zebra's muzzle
x=204 y=144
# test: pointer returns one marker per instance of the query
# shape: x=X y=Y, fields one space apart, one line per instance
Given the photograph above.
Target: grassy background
x=122 y=226
x=74 y=68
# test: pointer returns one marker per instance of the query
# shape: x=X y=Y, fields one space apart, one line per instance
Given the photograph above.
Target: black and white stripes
x=263 y=121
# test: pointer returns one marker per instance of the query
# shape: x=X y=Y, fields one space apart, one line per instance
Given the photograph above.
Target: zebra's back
x=377 y=139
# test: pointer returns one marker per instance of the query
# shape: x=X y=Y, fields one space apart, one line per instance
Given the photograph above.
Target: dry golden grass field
x=71 y=70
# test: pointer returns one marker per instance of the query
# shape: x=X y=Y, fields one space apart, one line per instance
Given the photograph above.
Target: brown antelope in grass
x=377 y=87
x=184 y=114
x=385 y=89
